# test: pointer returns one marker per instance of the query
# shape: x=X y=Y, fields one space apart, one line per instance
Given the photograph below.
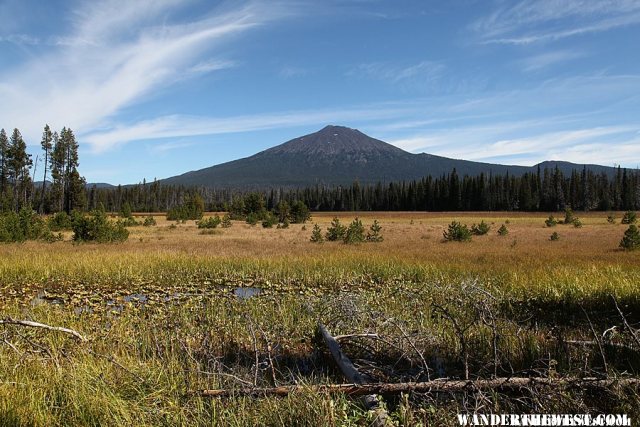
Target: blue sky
x=154 y=88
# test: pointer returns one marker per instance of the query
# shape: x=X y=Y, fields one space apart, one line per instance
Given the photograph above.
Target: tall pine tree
x=46 y=143
x=19 y=163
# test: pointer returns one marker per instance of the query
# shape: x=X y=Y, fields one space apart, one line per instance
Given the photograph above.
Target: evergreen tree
x=73 y=182
x=57 y=162
x=4 y=172
x=631 y=239
x=19 y=163
x=336 y=231
x=374 y=232
x=46 y=143
x=316 y=234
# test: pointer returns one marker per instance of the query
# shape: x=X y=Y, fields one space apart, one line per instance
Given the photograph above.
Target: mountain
x=341 y=155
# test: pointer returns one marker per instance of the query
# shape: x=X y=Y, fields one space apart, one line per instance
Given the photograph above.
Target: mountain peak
x=332 y=140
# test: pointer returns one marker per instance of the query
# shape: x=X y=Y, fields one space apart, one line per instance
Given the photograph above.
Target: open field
x=173 y=311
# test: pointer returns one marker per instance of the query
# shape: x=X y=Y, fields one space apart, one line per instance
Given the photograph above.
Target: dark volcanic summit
x=335 y=141
x=337 y=155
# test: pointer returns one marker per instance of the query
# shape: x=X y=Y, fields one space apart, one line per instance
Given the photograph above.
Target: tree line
x=545 y=190
x=61 y=188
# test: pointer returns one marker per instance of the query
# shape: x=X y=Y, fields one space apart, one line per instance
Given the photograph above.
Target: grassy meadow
x=174 y=310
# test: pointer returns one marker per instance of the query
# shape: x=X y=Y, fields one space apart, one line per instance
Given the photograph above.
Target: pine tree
x=74 y=183
x=336 y=231
x=57 y=161
x=374 y=232
x=19 y=163
x=4 y=171
x=46 y=143
x=354 y=233
x=631 y=239
x=316 y=234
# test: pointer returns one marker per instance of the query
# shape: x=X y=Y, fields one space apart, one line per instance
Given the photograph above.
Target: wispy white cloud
x=422 y=72
x=489 y=144
x=20 y=39
x=548 y=59
x=532 y=21
x=185 y=126
x=114 y=55
x=212 y=65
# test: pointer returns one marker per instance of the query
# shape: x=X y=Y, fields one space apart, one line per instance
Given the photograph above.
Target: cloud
x=20 y=39
x=548 y=59
x=212 y=65
x=492 y=143
x=115 y=55
x=533 y=21
x=422 y=72
x=185 y=126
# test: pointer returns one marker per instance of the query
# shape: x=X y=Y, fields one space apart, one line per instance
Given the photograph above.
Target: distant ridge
x=338 y=155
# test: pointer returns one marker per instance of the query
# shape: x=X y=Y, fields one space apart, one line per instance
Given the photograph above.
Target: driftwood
x=507 y=385
x=371 y=401
x=29 y=323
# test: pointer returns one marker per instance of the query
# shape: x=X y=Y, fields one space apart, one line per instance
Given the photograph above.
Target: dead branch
x=595 y=336
x=510 y=385
x=29 y=323
x=349 y=336
x=371 y=401
x=626 y=324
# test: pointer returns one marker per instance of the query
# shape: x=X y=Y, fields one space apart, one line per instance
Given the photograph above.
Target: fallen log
x=29 y=323
x=371 y=401
x=436 y=386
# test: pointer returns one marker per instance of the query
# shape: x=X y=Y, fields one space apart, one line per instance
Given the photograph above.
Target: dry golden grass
x=408 y=238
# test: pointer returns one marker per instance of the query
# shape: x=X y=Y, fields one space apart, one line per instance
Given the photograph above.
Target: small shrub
x=336 y=231
x=577 y=223
x=26 y=225
x=252 y=218
x=60 y=221
x=316 y=234
x=98 y=228
x=125 y=212
x=129 y=222
x=149 y=221
x=554 y=236
x=611 y=219
x=299 y=212
x=373 y=235
x=285 y=223
x=568 y=216
x=457 y=232
x=551 y=221
x=631 y=239
x=354 y=233
x=211 y=222
x=629 y=218
x=226 y=221
x=480 y=229
x=503 y=231
x=269 y=221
